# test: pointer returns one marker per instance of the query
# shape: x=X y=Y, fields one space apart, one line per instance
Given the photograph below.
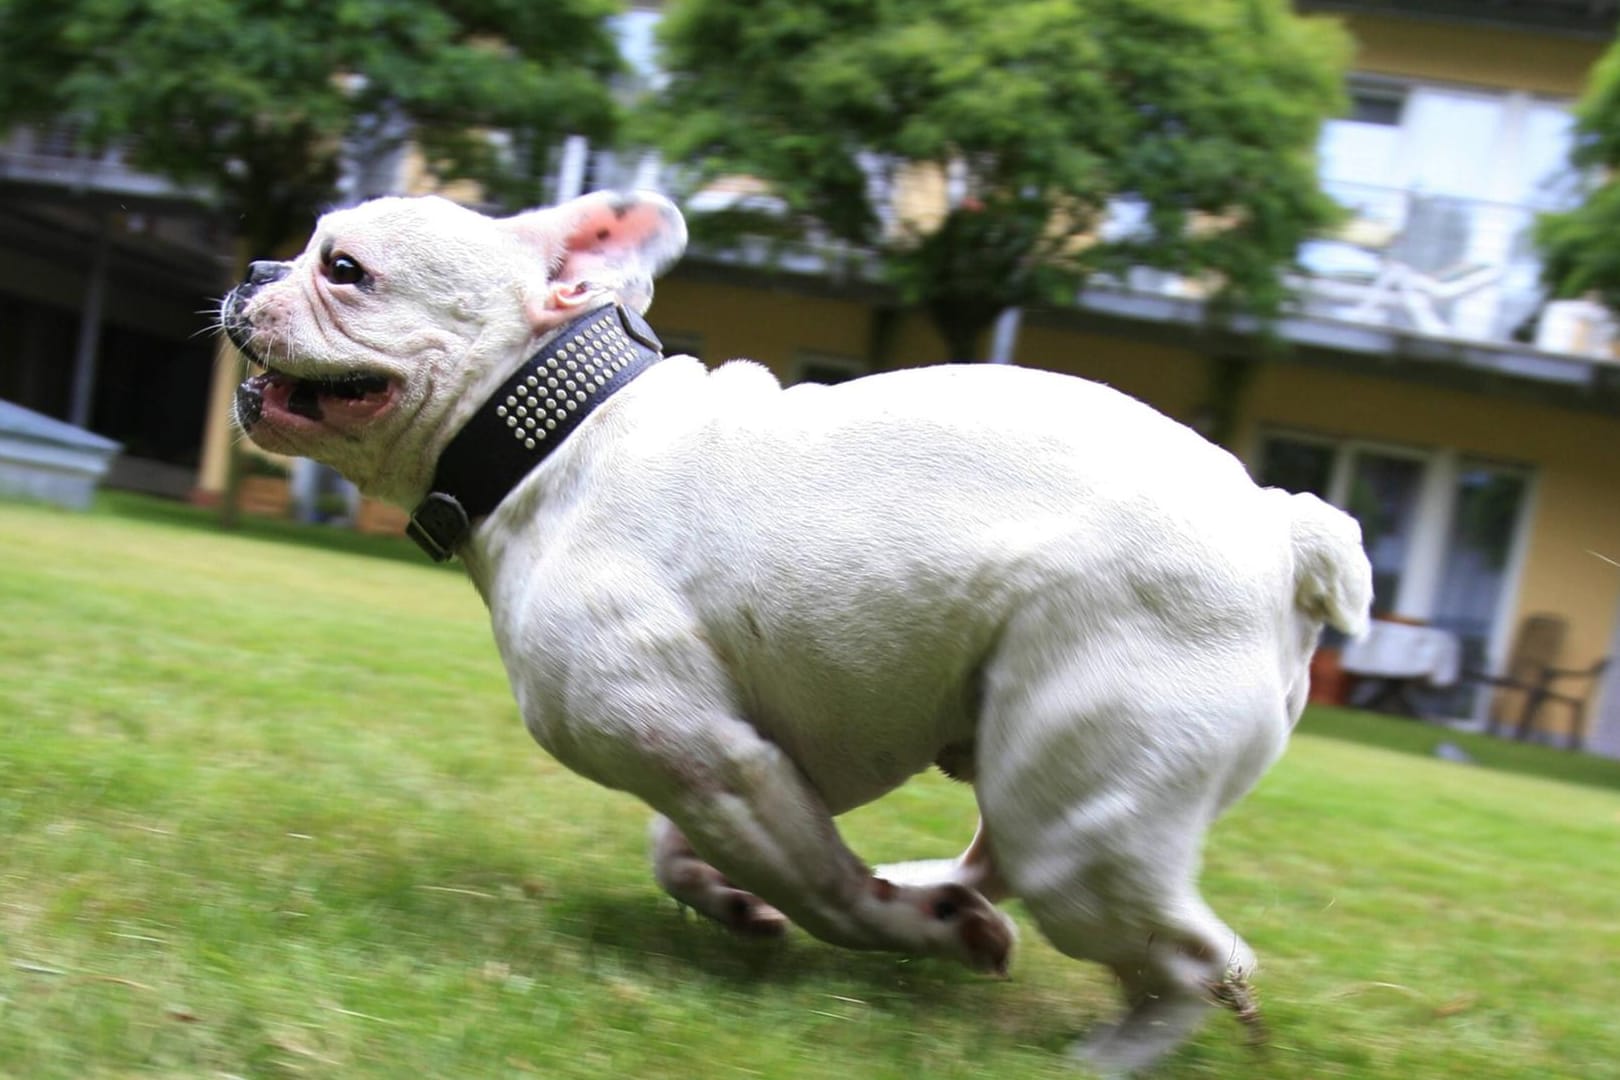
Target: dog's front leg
x=749 y=813
x=693 y=882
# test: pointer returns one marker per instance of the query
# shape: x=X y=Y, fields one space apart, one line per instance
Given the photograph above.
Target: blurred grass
x=1411 y=737
x=267 y=810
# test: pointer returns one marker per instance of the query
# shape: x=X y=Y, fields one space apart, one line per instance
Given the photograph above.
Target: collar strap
x=527 y=418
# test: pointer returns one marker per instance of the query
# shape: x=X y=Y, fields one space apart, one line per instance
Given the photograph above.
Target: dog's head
x=402 y=315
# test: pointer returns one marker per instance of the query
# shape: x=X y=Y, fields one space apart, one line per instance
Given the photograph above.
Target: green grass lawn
x=267 y=810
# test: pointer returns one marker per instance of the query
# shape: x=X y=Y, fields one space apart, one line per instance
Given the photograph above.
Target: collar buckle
x=438 y=525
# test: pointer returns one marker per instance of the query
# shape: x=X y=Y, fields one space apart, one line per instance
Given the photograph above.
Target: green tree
x=258 y=104
x=1578 y=247
x=1081 y=135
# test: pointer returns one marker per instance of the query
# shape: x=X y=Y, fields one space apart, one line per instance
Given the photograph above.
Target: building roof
x=1573 y=18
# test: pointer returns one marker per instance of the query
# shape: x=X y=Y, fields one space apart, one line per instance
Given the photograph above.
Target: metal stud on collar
x=569 y=376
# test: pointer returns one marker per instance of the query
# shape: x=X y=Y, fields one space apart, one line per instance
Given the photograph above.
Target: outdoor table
x=1395 y=658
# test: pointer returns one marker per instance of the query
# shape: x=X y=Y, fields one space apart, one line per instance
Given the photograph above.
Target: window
x=1361 y=148
x=1383 y=497
x=1479 y=554
x=1544 y=177
x=1452 y=142
x=1372 y=103
x=1297 y=465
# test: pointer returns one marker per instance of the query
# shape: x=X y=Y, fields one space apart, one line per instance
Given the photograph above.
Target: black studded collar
x=534 y=411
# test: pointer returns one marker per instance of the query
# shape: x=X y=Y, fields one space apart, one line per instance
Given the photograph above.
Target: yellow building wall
x=775 y=327
x=1472 y=55
x=1172 y=380
x=1574 y=457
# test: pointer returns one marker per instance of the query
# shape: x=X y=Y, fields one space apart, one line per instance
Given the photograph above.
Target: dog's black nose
x=264 y=271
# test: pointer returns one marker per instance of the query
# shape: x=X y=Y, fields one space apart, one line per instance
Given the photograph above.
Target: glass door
x=1382 y=494
x=1481 y=546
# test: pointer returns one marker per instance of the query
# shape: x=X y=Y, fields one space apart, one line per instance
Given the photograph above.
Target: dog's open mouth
x=339 y=399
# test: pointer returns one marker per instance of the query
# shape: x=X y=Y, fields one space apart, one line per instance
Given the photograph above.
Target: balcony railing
x=1464 y=270
x=1436 y=265
x=1431 y=265
x=54 y=156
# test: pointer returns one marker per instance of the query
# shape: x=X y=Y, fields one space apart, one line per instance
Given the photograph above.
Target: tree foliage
x=1087 y=135
x=1579 y=248
x=258 y=100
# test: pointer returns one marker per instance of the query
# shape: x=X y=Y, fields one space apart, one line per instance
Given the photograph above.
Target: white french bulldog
x=756 y=608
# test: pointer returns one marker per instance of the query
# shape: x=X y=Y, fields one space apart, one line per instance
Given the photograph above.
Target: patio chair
x=1544 y=692
x=1531 y=674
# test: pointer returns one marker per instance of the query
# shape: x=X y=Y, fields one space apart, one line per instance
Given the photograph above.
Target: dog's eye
x=343 y=270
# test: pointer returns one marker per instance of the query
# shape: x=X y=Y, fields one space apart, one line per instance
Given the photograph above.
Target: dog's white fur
x=756 y=608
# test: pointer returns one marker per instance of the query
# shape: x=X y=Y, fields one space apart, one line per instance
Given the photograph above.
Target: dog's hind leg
x=1102 y=765
x=1111 y=876
x=693 y=882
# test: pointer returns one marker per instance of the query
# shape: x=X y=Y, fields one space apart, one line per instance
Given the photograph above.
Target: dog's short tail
x=1332 y=577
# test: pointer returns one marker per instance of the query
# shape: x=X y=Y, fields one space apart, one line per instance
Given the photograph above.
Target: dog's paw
x=1133 y=1044
x=975 y=932
x=747 y=915
x=1109 y=1056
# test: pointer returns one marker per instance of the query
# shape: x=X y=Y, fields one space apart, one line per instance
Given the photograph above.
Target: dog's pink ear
x=599 y=246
